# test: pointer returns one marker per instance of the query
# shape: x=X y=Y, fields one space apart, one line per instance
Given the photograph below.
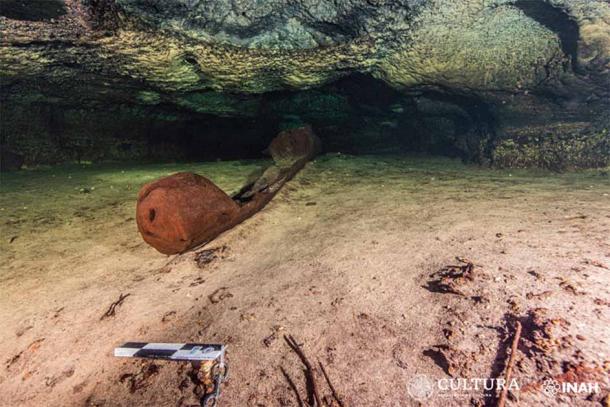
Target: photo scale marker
x=193 y=352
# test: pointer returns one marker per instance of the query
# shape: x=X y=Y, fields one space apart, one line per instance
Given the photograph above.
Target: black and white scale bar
x=171 y=351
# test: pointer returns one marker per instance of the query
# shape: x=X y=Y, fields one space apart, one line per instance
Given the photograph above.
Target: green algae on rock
x=231 y=59
x=557 y=148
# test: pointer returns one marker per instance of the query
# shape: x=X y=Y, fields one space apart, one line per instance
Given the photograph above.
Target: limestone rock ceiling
x=182 y=51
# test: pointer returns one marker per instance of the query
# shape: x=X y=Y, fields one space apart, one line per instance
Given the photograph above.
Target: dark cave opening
x=355 y=115
x=558 y=21
x=32 y=10
x=206 y=137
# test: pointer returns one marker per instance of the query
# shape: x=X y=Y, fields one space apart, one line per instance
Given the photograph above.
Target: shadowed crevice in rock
x=558 y=21
x=32 y=10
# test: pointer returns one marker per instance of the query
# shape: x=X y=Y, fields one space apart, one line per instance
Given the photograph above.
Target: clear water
x=46 y=197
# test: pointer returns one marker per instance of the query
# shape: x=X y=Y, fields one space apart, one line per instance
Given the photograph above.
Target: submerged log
x=185 y=210
x=176 y=212
x=295 y=145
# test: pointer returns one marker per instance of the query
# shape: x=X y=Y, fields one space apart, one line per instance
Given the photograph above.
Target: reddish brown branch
x=509 y=366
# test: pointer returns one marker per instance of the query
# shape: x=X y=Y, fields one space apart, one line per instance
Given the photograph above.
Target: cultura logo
x=421 y=387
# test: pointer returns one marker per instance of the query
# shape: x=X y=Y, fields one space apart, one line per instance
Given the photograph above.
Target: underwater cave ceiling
x=520 y=58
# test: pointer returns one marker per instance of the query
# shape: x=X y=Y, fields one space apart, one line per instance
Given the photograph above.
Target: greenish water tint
x=48 y=196
x=45 y=197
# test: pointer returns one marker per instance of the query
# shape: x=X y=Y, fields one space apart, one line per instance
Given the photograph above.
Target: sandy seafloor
x=341 y=259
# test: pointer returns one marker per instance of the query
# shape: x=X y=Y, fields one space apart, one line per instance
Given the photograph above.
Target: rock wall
x=469 y=76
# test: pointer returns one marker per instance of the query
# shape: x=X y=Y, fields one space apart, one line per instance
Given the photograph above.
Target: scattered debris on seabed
x=541 y=349
x=114 y=306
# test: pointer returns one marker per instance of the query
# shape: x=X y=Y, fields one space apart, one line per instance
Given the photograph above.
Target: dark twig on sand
x=330 y=385
x=309 y=372
x=509 y=366
x=112 y=308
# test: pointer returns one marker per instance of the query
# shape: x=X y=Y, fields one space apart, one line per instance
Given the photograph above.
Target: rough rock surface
x=222 y=58
x=256 y=47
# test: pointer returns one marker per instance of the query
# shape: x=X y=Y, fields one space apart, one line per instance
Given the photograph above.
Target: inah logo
x=550 y=387
x=421 y=387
